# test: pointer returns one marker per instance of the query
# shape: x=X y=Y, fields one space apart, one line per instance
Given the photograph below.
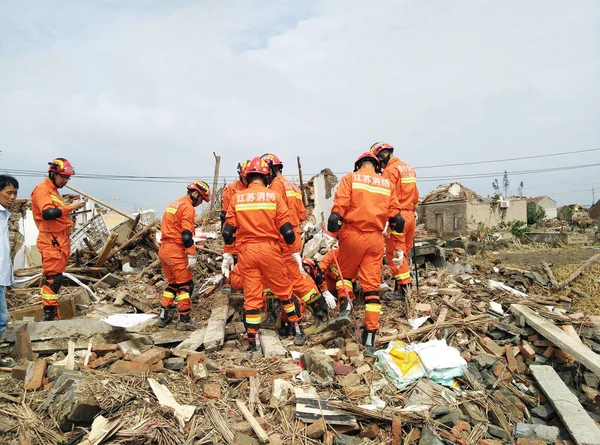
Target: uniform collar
x=52 y=184
x=255 y=185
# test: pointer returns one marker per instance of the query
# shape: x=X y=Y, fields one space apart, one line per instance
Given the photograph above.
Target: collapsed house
x=452 y=210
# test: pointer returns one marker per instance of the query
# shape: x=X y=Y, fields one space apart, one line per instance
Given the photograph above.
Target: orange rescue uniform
x=293 y=198
x=53 y=240
x=329 y=269
x=178 y=216
x=404 y=179
x=365 y=201
x=258 y=213
x=228 y=193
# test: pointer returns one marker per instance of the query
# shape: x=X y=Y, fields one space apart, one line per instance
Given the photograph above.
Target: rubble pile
x=472 y=357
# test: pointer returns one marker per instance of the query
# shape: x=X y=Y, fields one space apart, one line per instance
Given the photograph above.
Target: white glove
x=329 y=299
x=416 y=216
x=227 y=264
x=398 y=257
x=298 y=259
x=192 y=261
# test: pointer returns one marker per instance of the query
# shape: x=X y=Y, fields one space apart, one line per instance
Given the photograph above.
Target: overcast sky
x=152 y=88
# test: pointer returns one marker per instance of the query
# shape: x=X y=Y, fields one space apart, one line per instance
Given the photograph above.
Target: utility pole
x=301 y=182
x=215 y=179
x=593 y=190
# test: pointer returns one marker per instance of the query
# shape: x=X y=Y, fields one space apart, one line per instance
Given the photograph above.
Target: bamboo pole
x=215 y=180
x=102 y=203
x=301 y=182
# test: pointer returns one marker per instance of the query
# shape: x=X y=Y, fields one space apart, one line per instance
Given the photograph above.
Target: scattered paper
x=127 y=320
x=418 y=322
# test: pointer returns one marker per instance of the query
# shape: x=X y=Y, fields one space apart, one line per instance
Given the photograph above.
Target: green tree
x=565 y=214
x=535 y=214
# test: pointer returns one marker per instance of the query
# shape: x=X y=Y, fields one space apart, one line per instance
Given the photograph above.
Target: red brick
x=460 y=426
x=151 y=356
x=490 y=442
x=510 y=359
x=123 y=367
x=317 y=429
x=157 y=367
x=527 y=351
x=371 y=432
x=564 y=357
x=340 y=368
x=103 y=349
x=195 y=357
x=240 y=373
x=522 y=441
x=501 y=371
x=108 y=359
x=212 y=391
x=36 y=378
x=490 y=346
x=549 y=351
x=19 y=372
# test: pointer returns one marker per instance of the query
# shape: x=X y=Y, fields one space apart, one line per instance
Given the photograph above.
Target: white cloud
x=154 y=88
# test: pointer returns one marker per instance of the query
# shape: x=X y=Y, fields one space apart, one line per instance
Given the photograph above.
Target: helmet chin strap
x=53 y=179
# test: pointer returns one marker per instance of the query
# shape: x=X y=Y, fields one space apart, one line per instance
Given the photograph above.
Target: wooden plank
x=580 y=425
x=579 y=271
x=215 y=330
x=562 y=340
x=52 y=346
x=66 y=307
x=260 y=432
x=139 y=304
x=105 y=253
x=271 y=344
x=191 y=344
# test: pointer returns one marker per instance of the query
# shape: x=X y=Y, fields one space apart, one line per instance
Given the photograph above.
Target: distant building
x=595 y=211
x=453 y=209
x=546 y=203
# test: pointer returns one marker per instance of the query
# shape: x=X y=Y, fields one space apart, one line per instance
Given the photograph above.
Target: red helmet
x=367 y=156
x=61 y=166
x=378 y=147
x=273 y=159
x=241 y=168
x=202 y=187
x=258 y=165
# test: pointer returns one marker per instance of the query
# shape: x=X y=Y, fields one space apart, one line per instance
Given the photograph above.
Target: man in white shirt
x=9 y=187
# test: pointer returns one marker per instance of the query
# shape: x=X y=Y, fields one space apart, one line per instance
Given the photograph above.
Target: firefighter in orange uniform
x=177 y=255
x=256 y=220
x=52 y=219
x=229 y=250
x=404 y=179
x=363 y=202
x=292 y=195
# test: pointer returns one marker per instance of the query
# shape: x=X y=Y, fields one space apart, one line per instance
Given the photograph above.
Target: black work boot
x=270 y=321
x=368 y=340
x=343 y=319
x=50 y=313
x=399 y=293
x=165 y=317
x=299 y=337
x=186 y=324
x=253 y=347
x=320 y=323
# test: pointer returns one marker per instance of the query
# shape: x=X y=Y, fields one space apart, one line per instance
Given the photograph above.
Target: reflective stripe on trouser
x=168 y=297
x=372 y=310
x=401 y=273
x=342 y=285
x=298 y=305
x=49 y=298
x=184 y=303
x=252 y=321
x=360 y=253
x=261 y=265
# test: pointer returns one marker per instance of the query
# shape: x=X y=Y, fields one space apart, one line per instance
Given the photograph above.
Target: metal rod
x=102 y=203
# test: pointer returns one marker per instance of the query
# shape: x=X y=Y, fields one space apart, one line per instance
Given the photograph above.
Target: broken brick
x=19 y=372
x=363 y=369
x=490 y=346
x=104 y=349
x=123 y=367
x=340 y=368
x=423 y=308
x=511 y=360
x=527 y=351
x=212 y=391
x=109 y=358
x=151 y=356
x=564 y=357
x=35 y=374
x=549 y=351
x=157 y=367
x=523 y=441
x=317 y=429
x=460 y=426
x=195 y=358
x=352 y=350
x=371 y=432
x=240 y=373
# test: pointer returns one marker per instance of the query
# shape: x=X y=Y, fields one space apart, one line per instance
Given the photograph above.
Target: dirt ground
x=557 y=257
